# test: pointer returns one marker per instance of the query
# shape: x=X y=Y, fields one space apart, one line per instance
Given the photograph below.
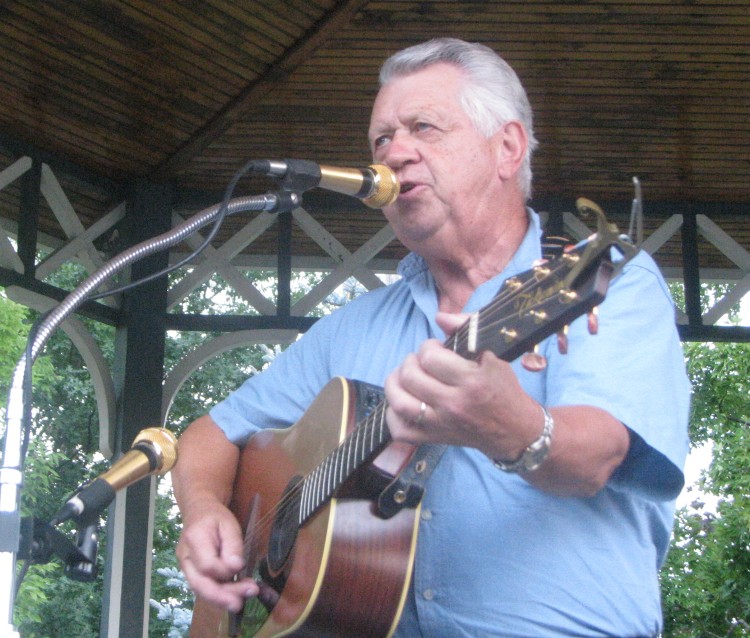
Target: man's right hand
x=210 y=555
x=210 y=549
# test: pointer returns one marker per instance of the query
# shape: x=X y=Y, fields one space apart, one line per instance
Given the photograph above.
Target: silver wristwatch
x=534 y=455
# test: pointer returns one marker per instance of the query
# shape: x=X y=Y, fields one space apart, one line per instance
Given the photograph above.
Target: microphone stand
x=40 y=541
x=11 y=476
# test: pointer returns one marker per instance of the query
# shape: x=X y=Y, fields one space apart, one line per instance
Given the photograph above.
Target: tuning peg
x=534 y=361
x=593 y=319
x=541 y=269
x=562 y=341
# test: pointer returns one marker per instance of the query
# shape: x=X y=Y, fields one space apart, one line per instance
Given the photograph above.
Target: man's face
x=447 y=170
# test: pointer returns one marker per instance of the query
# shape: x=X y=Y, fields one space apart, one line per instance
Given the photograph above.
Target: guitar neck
x=360 y=446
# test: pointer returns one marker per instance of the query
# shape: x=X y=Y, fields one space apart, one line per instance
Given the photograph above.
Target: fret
x=326 y=478
x=472 y=332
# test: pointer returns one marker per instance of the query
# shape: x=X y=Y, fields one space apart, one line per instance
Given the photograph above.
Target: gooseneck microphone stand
x=11 y=471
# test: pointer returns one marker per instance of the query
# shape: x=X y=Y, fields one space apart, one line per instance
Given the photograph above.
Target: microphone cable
x=220 y=216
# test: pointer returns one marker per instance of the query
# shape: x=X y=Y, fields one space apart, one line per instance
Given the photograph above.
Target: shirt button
x=428 y=594
x=426 y=515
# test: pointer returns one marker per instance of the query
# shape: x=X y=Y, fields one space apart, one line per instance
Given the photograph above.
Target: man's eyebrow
x=378 y=130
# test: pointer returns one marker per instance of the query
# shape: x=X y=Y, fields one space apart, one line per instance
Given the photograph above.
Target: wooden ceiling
x=108 y=91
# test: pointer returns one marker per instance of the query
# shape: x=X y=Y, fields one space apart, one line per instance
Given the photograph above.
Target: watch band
x=534 y=455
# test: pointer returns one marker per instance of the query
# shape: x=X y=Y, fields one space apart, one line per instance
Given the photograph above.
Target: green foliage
x=709 y=294
x=15 y=322
x=706 y=580
x=172 y=619
x=52 y=605
x=171 y=600
x=720 y=375
x=63 y=453
x=213 y=380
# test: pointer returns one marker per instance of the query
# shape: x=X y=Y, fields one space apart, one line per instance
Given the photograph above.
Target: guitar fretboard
x=362 y=444
x=367 y=439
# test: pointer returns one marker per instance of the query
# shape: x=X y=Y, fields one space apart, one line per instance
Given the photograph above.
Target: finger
x=229 y=595
x=440 y=367
x=402 y=383
x=411 y=391
x=403 y=411
x=405 y=430
x=215 y=549
x=403 y=405
x=450 y=322
x=231 y=547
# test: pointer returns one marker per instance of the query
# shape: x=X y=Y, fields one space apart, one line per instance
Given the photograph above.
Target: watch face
x=535 y=454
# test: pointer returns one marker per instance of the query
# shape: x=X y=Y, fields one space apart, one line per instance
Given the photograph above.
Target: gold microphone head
x=387 y=188
x=164 y=444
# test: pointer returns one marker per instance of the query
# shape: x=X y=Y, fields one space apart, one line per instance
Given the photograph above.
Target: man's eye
x=423 y=126
x=380 y=141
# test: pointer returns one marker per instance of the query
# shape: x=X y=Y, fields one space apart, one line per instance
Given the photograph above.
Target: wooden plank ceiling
x=113 y=90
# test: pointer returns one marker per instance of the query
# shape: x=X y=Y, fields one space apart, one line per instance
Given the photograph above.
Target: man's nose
x=401 y=149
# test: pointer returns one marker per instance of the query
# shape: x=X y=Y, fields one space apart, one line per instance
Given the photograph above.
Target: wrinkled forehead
x=437 y=86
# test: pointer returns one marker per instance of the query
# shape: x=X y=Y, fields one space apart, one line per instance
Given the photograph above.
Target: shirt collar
x=413 y=268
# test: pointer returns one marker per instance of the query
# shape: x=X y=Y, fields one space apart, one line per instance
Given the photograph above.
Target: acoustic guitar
x=327 y=560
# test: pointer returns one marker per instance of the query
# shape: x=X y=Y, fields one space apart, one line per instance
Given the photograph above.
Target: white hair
x=492 y=96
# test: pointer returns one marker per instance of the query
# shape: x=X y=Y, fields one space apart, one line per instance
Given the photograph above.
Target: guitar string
x=501 y=299
x=265 y=522
x=376 y=419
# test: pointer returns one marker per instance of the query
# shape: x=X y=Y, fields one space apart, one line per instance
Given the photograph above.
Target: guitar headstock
x=544 y=299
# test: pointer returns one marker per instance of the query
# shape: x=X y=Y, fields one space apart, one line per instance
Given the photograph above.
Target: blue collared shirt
x=495 y=556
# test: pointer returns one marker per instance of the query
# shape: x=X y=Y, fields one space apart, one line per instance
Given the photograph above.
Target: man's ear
x=511 y=143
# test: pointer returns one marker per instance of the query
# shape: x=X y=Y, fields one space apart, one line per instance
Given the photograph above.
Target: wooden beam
x=320 y=32
x=91 y=309
x=28 y=221
x=72 y=171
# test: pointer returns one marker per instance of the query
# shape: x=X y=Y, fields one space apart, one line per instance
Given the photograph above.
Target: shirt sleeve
x=635 y=369
x=362 y=341
x=279 y=395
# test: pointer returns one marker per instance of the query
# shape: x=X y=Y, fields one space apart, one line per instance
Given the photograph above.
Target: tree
x=61 y=456
x=706 y=580
x=14 y=326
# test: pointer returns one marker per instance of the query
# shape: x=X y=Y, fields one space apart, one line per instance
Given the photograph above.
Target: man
x=567 y=543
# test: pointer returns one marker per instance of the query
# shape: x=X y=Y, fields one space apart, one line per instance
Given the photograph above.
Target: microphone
x=154 y=451
x=375 y=185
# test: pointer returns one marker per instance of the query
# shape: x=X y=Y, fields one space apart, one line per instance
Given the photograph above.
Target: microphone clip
x=41 y=542
x=293 y=175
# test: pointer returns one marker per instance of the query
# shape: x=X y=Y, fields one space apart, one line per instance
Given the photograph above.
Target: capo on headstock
x=607 y=235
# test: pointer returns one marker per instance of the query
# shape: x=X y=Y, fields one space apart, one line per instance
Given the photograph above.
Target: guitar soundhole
x=284 y=531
